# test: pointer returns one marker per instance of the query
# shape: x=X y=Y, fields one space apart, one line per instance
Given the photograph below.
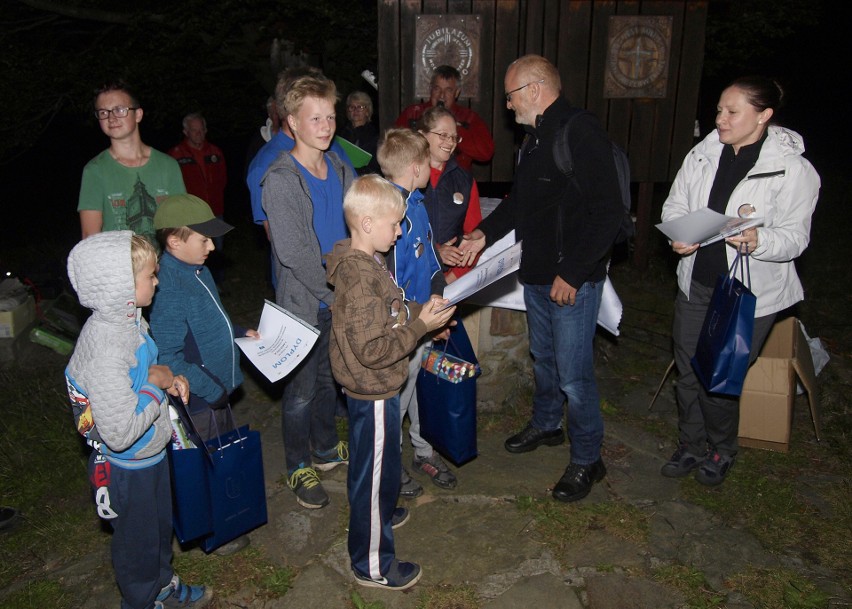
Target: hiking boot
x=326 y=461
x=577 y=481
x=9 y=516
x=434 y=467
x=530 y=438
x=681 y=463
x=309 y=491
x=400 y=517
x=233 y=546
x=401 y=576
x=714 y=468
x=179 y=594
x=409 y=487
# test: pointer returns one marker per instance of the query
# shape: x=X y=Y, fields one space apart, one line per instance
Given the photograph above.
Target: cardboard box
x=14 y=322
x=766 y=403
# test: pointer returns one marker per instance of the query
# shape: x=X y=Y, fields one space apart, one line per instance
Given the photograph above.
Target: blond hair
x=371 y=195
x=398 y=149
x=317 y=86
x=285 y=79
x=141 y=253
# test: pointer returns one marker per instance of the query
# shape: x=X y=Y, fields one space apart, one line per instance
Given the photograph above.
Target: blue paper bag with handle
x=722 y=354
x=218 y=487
x=237 y=489
x=446 y=396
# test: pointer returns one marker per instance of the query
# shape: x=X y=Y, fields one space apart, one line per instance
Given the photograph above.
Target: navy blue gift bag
x=237 y=489
x=218 y=488
x=446 y=396
x=724 y=346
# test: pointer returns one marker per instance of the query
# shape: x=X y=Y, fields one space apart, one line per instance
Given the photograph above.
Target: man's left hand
x=562 y=293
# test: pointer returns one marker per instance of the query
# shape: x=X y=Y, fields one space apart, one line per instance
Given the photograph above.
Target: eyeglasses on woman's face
x=446 y=137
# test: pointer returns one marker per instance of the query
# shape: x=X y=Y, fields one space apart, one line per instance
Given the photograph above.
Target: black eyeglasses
x=354 y=107
x=446 y=137
x=509 y=93
x=118 y=112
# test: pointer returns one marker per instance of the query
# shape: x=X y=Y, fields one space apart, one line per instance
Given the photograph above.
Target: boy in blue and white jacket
x=403 y=155
x=193 y=332
x=118 y=397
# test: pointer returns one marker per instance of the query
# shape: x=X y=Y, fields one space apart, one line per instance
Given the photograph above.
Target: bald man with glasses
x=568 y=228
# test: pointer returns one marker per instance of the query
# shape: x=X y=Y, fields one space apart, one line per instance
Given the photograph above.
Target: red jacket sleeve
x=477 y=142
x=471 y=220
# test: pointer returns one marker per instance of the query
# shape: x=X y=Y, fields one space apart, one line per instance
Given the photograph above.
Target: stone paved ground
x=476 y=536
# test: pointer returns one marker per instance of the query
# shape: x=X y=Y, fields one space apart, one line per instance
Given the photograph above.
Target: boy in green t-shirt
x=123 y=185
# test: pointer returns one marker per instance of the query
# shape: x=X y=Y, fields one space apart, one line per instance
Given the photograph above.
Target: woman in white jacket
x=746 y=166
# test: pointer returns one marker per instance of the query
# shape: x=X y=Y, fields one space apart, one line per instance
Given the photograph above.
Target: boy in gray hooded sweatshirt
x=118 y=397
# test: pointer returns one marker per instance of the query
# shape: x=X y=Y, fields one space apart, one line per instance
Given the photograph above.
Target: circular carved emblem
x=447 y=46
x=638 y=56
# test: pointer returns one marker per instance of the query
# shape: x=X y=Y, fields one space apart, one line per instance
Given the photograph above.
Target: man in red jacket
x=204 y=174
x=202 y=164
x=476 y=143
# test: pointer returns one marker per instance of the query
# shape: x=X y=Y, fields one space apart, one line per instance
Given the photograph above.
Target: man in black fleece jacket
x=568 y=228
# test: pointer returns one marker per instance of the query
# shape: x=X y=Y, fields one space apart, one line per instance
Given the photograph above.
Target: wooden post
x=643 y=224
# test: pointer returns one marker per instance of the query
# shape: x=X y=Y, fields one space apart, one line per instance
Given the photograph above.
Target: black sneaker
x=401 y=576
x=409 y=487
x=234 y=546
x=436 y=469
x=712 y=471
x=400 y=517
x=681 y=463
x=577 y=481
x=309 y=491
x=8 y=517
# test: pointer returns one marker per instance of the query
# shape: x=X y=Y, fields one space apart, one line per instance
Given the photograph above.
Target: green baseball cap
x=190 y=211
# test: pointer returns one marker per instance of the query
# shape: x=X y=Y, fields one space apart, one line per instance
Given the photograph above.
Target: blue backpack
x=565 y=162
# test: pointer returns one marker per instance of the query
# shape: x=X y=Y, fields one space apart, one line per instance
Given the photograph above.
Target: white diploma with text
x=484 y=273
x=705 y=226
x=285 y=340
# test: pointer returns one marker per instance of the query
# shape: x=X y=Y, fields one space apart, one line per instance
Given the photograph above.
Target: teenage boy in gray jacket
x=303 y=199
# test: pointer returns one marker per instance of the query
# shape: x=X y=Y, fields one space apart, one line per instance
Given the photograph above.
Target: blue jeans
x=563 y=364
x=309 y=403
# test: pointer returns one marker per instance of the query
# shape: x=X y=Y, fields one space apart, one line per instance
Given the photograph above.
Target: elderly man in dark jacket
x=568 y=228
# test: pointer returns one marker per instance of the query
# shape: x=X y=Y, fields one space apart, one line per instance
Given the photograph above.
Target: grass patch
x=772 y=588
x=360 y=603
x=248 y=569
x=48 y=485
x=40 y=593
x=691 y=583
x=562 y=524
x=448 y=597
x=764 y=492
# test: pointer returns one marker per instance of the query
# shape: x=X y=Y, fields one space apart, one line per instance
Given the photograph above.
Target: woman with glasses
x=360 y=130
x=452 y=197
